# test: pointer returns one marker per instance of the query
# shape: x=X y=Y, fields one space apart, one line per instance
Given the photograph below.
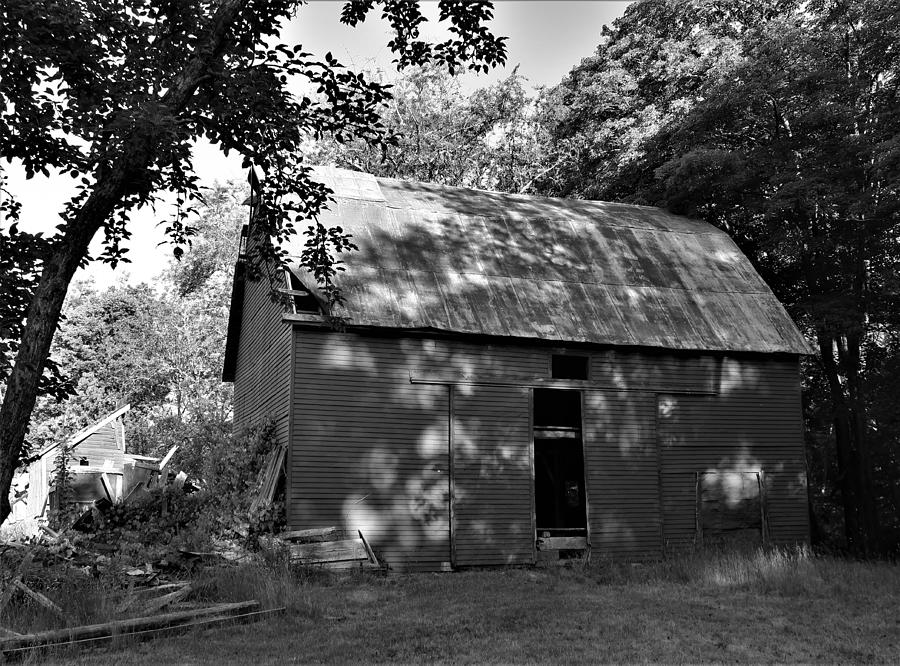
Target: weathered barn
x=520 y=376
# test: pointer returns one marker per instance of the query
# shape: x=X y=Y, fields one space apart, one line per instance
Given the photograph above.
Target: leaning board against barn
x=520 y=378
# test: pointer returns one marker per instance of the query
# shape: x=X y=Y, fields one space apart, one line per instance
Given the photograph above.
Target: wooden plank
x=158 y=603
x=763 y=506
x=344 y=565
x=269 y=475
x=167 y=458
x=317 y=533
x=661 y=514
x=369 y=551
x=122 y=627
x=452 y=494
x=20 y=571
x=543 y=382
x=531 y=487
x=562 y=543
x=108 y=487
x=40 y=598
x=329 y=551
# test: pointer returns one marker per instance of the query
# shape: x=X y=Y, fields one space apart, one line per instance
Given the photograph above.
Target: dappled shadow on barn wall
x=371 y=449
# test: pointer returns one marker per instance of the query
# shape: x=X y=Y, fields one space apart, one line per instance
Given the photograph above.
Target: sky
x=546 y=39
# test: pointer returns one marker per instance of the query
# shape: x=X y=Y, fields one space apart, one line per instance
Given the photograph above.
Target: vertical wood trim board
x=451 y=481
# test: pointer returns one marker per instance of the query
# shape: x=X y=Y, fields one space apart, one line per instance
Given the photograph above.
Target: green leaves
x=488 y=140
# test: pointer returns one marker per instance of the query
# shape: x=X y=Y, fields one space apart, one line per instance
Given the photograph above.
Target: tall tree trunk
x=112 y=185
x=34 y=348
x=851 y=442
x=842 y=439
x=868 y=509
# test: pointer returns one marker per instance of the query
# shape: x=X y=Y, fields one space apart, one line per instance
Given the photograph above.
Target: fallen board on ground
x=124 y=627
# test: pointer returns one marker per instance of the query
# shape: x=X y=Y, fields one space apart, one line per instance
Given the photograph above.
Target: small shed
x=97 y=465
x=516 y=378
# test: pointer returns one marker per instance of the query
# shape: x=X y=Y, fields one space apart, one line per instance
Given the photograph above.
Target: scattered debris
x=145 y=591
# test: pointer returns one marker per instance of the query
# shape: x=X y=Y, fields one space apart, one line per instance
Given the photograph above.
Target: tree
x=487 y=140
x=115 y=93
x=780 y=123
x=157 y=347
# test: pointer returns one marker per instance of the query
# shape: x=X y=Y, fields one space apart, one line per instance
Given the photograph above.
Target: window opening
x=567 y=366
x=559 y=487
x=301 y=299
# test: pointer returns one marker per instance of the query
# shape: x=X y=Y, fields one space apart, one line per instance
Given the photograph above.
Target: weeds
x=773 y=605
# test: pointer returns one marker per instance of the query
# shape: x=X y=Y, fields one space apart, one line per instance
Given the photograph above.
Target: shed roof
x=470 y=261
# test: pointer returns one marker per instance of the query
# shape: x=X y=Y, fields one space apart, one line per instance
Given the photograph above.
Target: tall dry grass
x=786 y=571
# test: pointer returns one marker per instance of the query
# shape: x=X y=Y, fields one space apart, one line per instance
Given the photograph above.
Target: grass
x=780 y=606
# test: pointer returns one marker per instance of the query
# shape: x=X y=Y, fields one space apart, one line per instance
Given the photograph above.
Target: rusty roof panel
x=469 y=261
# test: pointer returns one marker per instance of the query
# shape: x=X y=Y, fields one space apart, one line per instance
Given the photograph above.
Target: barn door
x=491 y=489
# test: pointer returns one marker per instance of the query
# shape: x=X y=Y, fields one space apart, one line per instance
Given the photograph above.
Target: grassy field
x=776 y=607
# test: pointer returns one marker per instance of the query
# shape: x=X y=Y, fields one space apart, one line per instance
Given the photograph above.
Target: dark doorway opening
x=559 y=496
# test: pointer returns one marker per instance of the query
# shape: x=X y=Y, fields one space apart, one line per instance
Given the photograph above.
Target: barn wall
x=753 y=423
x=492 y=477
x=370 y=450
x=262 y=371
x=622 y=475
x=660 y=370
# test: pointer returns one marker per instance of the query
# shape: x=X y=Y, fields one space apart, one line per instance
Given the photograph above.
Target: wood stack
x=330 y=547
x=269 y=476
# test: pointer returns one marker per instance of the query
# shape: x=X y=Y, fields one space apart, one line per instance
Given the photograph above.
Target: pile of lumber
x=329 y=547
x=146 y=597
x=269 y=478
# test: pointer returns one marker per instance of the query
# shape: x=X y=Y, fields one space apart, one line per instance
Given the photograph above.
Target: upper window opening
x=301 y=298
x=566 y=366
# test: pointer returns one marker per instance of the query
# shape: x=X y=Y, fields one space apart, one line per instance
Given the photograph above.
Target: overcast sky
x=546 y=38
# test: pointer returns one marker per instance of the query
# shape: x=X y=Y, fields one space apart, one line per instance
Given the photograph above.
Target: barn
x=514 y=378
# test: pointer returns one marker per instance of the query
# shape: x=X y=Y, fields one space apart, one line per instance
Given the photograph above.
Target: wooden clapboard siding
x=38 y=486
x=754 y=422
x=369 y=450
x=492 y=477
x=621 y=471
x=262 y=370
x=688 y=371
x=101 y=448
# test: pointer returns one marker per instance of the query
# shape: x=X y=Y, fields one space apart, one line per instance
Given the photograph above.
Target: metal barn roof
x=470 y=261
